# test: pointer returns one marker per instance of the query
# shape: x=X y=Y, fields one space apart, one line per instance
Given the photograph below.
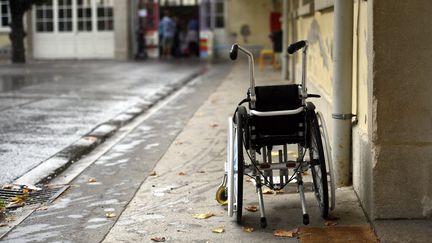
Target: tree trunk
x=17 y=34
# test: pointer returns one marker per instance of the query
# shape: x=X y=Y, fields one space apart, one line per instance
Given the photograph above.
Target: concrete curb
x=50 y=168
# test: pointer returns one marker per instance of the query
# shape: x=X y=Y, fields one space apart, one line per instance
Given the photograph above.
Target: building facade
x=390 y=163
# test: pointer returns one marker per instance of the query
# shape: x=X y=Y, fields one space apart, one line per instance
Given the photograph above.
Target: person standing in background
x=167 y=28
x=192 y=36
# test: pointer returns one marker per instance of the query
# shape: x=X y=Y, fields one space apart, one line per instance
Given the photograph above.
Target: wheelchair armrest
x=277 y=113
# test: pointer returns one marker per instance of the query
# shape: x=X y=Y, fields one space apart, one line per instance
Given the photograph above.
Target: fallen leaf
x=268 y=191
x=203 y=215
x=286 y=233
x=182 y=173
x=153 y=173
x=201 y=171
x=281 y=191
x=92 y=180
x=248 y=229
x=251 y=208
x=10 y=219
x=7 y=186
x=214 y=125
x=330 y=223
x=42 y=208
x=218 y=230
x=3 y=225
x=17 y=201
x=248 y=179
x=25 y=190
x=178 y=143
x=158 y=239
x=110 y=215
x=305 y=173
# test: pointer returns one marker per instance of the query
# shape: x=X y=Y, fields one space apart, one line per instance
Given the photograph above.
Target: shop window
x=4 y=15
x=84 y=15
x=105 y=15
x=45 y=17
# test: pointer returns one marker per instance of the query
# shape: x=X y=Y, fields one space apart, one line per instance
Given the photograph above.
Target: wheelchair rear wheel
x=318 y=167
x=239 y=160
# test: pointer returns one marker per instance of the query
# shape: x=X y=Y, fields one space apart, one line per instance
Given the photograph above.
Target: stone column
x=401 y=110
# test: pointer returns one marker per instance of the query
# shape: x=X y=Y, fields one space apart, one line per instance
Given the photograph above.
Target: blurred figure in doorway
x=192 y=36
x=167 y=29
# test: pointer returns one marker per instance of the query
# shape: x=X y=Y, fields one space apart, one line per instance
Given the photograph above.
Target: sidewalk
x=188 y=175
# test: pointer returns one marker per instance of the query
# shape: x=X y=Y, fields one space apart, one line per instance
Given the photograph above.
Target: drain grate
x=46 y=193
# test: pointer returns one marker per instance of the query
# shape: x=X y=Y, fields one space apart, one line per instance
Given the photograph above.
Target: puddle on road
x=15 y=82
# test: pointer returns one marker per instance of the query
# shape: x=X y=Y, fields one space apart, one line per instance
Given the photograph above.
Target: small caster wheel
x=221 y=195
x=263 y=222
x=305 y=219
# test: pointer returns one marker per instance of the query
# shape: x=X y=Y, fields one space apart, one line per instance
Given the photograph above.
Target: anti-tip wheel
x=221 y=195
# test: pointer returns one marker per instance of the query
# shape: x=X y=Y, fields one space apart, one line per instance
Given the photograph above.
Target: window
x=104 y=9
x=219 y=14
x=64 y=15
x=4 y=15
x=84 y=15
x=45 y=17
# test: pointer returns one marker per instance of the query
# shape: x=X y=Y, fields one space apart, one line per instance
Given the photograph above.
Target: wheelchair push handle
x=234 y=52
x=296 y=46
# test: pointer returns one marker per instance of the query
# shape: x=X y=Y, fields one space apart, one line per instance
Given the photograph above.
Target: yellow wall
x=360 y=65
x=256 y=14
x=318 y=30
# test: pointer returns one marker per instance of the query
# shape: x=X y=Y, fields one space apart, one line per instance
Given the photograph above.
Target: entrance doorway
x=186 y=15
x=73 y=29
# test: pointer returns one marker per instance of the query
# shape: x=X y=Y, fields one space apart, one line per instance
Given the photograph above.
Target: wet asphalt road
x=45 y=107
x=79 y=215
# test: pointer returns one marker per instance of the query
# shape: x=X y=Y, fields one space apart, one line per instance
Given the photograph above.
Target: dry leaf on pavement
x=251 y=208
x=218 y=230
x=330 y=223
x=3 y=225
x=286 y=233
x=203 y=215
x=248 y=179
x=182 y=173
x=110 y=215
x=268 y=191
x=92 y=180
x=9 y=219
x=44 y=208
x=248 y=229
x=281 y=191
x=7 y=186
x=214 y=125
x=158 y=239
x=153 y=173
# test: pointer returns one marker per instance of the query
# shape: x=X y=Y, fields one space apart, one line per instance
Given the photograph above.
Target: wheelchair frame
x=243 y=139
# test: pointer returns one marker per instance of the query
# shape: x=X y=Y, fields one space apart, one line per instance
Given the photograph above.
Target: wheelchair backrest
x=277 y=97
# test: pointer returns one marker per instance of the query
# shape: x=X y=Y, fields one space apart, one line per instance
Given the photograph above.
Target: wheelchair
x=275 y=117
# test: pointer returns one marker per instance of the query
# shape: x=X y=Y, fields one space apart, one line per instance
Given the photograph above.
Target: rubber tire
x=320 y=168
x=221 y=195
x=240 y=121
